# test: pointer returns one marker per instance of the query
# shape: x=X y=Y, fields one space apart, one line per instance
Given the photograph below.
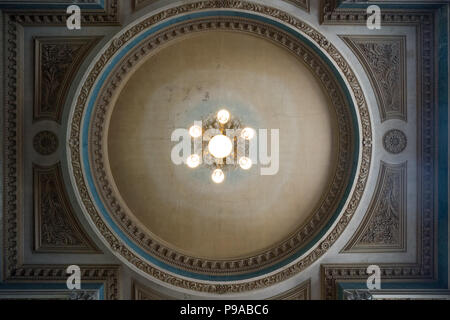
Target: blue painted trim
x=443 y=82
x=104 y=211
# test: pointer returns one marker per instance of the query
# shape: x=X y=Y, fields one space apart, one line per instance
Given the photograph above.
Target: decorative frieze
x=109 y=15
x=45 y=143
x=13 y=268
x=304 y=4
x=394 y=141
x=424 y=268
x=56 y=226
x=384 y=225
x=299 y=292
x=141 y=292
x=56 y=63
x=365 y=134
x=384 y=60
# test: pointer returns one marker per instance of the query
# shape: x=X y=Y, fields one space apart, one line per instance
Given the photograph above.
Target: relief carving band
x=384 y=228
x=383 y=58
x=56 y=227
x=56 y=62
x=272 y=254
x=120 y=171
x=299 y=292
x=157 y=249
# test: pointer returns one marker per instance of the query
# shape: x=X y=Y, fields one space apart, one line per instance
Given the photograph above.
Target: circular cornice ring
x=80 y=161
x=395 y=141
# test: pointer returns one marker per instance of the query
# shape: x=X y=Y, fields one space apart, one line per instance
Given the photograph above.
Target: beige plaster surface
x=266 y=87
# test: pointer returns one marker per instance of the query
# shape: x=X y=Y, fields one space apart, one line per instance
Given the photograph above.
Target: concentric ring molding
x=133 y=254
x=290 y=247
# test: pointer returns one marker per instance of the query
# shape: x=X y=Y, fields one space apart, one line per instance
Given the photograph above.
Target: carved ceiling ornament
x=45 y=143
x=299 y=292
x=139 y=4
x=384 y=226
x=77 y=117
x=274 y=254
x=424 y=269
x=384 y=59
x=57 y=61
x=108 y=16
x=304 y=4
x=14 y=270
x=56 y=227
x=142 y=292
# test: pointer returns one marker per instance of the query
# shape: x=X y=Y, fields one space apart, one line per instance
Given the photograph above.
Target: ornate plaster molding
x=56 y=227
x=108 y=16
x=305 y=233
x=141 y=292
x=425 y=268
x=322 y=246
x=300 y=292
x=139 y=4
x=57 y=60
x=48 y=294
x=333 y=274
x=395 y=141
x=45 y=143
x=108 y=275
x=304 y=4
x=384 y=60
x=83 y=295
x=330 y=13
x=383 y=228
x=13 y=268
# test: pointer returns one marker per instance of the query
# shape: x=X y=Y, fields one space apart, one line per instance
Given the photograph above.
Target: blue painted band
x=89 y=177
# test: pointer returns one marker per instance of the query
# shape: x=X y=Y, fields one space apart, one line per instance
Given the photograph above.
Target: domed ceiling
x=193 y=77
x=175 y=217
x=347 y=169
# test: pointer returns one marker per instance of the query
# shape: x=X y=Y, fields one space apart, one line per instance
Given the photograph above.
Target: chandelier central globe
x=220 y=146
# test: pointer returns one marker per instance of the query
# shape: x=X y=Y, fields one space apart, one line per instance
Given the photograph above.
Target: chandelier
x=221 y=143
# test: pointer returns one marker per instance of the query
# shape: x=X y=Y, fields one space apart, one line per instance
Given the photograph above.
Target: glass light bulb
x=195 y=131
x=193 y=161
x=223 y=116
x=220 y=146
x=248 y=133
x=218 y=176
x=245 y=163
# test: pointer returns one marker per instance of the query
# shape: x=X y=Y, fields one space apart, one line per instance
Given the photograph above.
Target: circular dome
x=189 y=79
x=170 y=221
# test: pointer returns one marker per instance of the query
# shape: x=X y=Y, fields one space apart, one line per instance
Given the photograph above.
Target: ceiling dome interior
x=266 y=87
